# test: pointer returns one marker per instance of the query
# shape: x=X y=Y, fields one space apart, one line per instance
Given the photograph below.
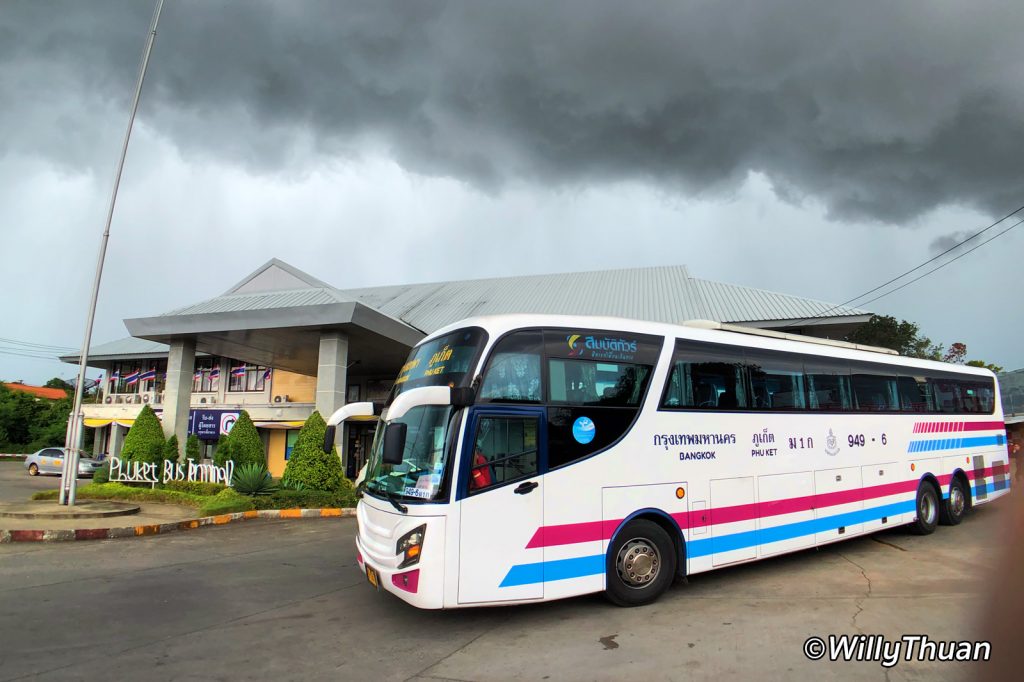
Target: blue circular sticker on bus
x=583 y=430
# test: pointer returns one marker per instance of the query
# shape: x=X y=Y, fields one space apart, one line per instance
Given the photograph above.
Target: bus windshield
x=446 y=360
x=421 y=472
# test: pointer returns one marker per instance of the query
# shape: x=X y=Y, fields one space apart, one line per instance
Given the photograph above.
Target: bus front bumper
x=420 y=584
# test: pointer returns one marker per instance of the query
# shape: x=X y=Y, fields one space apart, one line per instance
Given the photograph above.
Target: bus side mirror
x=394 y=443
x=329 y=439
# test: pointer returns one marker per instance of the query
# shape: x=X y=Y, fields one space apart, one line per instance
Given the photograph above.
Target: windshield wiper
x=395 y=503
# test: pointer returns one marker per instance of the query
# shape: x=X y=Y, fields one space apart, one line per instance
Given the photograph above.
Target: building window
x=206 y=377
x=244 y=377
x=144 y=376
x=290 y=439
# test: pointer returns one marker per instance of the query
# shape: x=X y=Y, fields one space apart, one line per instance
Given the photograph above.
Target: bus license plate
x=373 y=577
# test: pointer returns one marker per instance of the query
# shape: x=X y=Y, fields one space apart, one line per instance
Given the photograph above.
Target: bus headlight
x=410 y=545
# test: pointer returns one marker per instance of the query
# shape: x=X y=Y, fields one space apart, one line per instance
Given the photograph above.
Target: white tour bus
x=527 y=458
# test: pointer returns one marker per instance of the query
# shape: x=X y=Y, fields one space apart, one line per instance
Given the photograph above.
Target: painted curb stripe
x=163 y=528
x=589 y=531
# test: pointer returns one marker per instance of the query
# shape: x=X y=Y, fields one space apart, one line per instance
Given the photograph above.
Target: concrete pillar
x=99 y=439
x=117 y=434
x=331 y=372
x=181 y=363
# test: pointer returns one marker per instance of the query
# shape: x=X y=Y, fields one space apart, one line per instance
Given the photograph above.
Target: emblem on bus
x=831 y=444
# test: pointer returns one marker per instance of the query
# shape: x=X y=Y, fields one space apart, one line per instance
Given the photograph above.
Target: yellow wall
x=275 y=453
x=298 y=387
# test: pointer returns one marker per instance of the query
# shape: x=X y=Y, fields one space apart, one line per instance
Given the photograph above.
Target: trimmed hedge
x=145 y=440
x=195 y=487
x=102 y=475
x=192 y=448
x=117 y=491
x=172 y=450
x=309 y=464
x=227 y=501
x=244 y=443
x=305 y=499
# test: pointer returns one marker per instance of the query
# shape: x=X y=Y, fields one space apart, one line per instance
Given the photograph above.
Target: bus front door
x=502 y=505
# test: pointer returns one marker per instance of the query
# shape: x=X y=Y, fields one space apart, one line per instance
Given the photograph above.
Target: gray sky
x=816 y=149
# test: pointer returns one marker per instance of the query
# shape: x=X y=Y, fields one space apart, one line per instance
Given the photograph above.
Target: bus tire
x=951 y=512
x=641 y=564
x=926 y=508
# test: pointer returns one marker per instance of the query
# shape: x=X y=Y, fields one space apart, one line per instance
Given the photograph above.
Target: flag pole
x=69 y=474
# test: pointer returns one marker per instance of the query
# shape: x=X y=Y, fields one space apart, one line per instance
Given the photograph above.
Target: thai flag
x=148 y=376
x=238 y=371
x=116 y=376
x=132 y=378
x=198 y=374
x=215 y=373
x=266 y=374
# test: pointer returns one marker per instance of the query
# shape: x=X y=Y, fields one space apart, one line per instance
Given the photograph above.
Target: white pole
x=69 y=476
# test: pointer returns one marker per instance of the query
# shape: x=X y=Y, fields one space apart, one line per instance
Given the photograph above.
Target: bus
x=525 y=458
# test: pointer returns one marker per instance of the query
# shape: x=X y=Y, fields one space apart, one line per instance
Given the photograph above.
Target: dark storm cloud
x=878 y=110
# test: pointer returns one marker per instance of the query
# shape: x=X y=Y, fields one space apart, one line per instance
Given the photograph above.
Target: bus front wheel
x=927 y=509
x=641 y=564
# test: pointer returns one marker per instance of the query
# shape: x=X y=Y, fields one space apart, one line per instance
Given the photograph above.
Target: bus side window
x=776 y=380
x=828 y=384
x=504 y=450
x=705 y=377
x=913 y=394
x=946 y=393
x=514 y=370
x=874 y=387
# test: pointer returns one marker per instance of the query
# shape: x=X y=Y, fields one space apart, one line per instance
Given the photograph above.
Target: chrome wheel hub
x=927 y=509
x=956 y=501
x=638 y=563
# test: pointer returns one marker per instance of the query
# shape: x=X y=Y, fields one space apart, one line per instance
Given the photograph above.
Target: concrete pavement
x=282 y=600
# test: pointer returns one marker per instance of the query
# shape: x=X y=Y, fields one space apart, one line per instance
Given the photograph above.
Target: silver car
x=51 y=461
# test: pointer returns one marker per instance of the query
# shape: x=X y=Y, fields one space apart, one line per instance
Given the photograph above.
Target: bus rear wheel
x=952 y=510
x=927 y=506
x=641 y=564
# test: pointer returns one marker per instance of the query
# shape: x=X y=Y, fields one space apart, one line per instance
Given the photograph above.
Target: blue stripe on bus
x=578 y=567
x=953 y=443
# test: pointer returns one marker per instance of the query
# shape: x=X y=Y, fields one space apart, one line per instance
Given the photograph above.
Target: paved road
x=283 y=600
x=17 y=486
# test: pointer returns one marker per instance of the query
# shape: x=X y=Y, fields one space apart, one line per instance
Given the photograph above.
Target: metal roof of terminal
x=658 y=294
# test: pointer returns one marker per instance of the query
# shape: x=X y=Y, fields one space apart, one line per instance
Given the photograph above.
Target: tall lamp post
x=69 y=475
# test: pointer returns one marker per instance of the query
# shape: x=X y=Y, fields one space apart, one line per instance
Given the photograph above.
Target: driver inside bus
x=480 y=476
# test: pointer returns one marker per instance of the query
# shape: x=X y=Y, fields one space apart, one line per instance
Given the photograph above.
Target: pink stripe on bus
x=589 y=531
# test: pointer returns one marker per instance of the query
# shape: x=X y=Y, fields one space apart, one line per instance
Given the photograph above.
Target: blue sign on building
x=211 y=424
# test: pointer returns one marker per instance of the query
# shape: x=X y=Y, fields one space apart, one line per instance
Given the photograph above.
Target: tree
x=996 y=369
x=222 y=450
x=309 y=464
x=172 y=451
x=903 y=337
x=244 y=442
x=957 y=353
x=145 y=440
x=57 y=382
x=192 y=449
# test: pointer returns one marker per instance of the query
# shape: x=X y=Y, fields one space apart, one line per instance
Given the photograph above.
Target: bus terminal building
x=281 y=343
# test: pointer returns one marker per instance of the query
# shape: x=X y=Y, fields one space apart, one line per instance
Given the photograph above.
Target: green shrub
x=195 y=487
x=117 y=491
x=102 y=475
x=289 y=484
x=222 y=451
x=172 y=451
x=309 y=464
x=226 y=501
x=245 y=443
x=305 y=499
x=145 y=440
x=253 y=479
x=192 y=449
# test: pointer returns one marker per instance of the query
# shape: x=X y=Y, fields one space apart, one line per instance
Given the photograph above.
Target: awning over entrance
x=279 y=425
x=97 y=423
